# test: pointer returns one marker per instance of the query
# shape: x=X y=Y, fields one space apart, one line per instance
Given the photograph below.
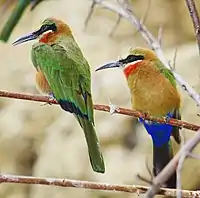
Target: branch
x=170 y=168
x=151 y=40
x=195 y=19
x=123 y=111
x=4 y=178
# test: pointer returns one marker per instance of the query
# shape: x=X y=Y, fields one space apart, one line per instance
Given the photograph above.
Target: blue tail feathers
x=160 y=133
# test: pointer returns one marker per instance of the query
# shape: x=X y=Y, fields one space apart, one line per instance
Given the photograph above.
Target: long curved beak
x=110 y=65
x=29 y=37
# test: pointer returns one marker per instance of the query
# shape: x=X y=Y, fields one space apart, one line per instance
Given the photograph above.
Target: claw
x=149 y=122
x=51 y=98
x=113 y=108
x=167 y=118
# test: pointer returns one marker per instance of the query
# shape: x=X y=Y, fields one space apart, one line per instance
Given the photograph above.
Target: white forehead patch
x=132 y=63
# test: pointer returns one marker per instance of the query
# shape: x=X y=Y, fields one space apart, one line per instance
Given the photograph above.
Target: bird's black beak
x=26 y=38
x=121 y=63
x=110 y=65
x=31 y=36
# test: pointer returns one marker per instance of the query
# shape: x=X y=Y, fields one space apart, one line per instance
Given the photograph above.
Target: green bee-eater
x=64 y=73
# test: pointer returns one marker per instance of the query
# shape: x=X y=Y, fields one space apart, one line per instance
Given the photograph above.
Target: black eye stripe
x=131 y=58
x=52 y=27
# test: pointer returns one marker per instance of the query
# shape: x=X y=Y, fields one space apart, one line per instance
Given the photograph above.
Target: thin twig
x=160 y=33
x=4 y=178
x=151 y=40
x=174 y=59
x=195 y=19
x=143 y=178
x=115 y=26
x=123 y=111
x=179 y=172
x=193 y=155
x=169 y=169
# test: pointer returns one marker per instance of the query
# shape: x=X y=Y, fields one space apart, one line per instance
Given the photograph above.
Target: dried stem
x=180 y=167
x=195 y=19
x=151 y=40
x=4 y=178
x=171 y=166
x=123 y=111
x=160 y=34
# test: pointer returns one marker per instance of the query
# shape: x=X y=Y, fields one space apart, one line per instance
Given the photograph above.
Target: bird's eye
x=130 y=58
x=46 y=28
x=53 y=27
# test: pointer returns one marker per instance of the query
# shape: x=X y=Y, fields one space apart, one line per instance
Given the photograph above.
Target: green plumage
x=68 y=75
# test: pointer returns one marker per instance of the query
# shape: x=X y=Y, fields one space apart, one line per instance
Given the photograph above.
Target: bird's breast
x=152 y=92
x=42 y=84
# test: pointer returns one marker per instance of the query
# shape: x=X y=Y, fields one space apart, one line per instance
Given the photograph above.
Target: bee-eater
x=153 y=90
x=64 y=73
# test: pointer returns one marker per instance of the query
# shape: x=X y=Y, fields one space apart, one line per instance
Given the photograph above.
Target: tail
x=95 y=155
x=162 y=150
x=161 y=157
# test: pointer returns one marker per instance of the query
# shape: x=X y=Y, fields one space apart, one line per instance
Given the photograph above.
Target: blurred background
x=42 y=140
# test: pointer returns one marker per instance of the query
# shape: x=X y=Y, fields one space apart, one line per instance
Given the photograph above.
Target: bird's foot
x=167 y=118
x=146 y=114
x=113 y=108
x=51 y=98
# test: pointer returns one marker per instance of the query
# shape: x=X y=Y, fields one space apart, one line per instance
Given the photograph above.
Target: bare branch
x=90 y=13
x=195 y=19
x=171 y=167
x=4 y=178
x=152 y=41
x=174 y=59
x=144 y=179
x=160 y=33
x=180 y=167
x=123 y=111
x=193 y=155
x=116 y=25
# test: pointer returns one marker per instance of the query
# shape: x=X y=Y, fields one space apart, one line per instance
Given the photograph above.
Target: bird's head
x=52 y=25
x=137 y=55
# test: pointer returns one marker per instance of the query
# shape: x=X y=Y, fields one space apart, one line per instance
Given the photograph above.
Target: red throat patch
x=131 y=68
x=45 y=38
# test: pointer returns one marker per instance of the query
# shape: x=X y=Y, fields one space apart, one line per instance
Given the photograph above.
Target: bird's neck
x=132 y=67
x=51 y=37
